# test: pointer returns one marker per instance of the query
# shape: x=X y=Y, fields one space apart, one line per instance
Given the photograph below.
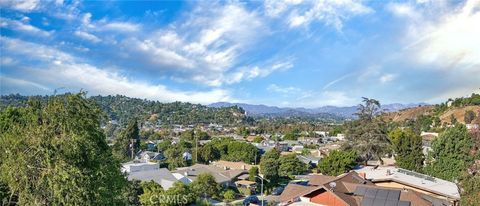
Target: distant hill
x=122 y=109
x=344 y=112
x=456 y=107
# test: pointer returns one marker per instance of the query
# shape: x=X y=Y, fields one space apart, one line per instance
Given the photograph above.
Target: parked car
x=251 y=199
x=277 y=190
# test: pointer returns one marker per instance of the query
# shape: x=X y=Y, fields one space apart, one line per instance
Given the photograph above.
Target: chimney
x=389 y=173
x=244 y=167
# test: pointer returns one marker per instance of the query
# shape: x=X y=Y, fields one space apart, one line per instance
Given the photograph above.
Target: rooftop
x=413 y=179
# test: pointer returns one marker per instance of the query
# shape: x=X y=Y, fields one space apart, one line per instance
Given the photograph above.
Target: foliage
x=469 y=116
x=337 y=162
x=229 y=195
x=470 y=190
x=188 y=135
x=180 y=193
x=123 y=148
x=205 y=185
x=451 y=153
x=291 y=136
x=164 y=145
x=123 y=109
x=208 y=153
x=151 y=192
x=408 y=149
x=258 y=139
x=174 y=156
x=234 y=150
x=253 y=173
x=133 y=192
x=367 y=135
x=291 y=165
x=269 y=165
x=55 y=153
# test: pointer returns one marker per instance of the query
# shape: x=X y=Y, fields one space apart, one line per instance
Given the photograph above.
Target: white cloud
x=387 y=78
x=303 y=13
x=23 y=26
x=282 y=90
x=324 y=98
x=205 y=46
x=448 y=40
x=120 y=26
x=21 y=5
x=60 y=69
x=87 y=36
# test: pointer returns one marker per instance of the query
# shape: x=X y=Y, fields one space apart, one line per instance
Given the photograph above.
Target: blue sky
x=286 y=53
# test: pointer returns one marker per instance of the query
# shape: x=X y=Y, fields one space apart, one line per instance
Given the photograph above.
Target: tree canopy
x=451 y=153
x=337 y=162
x=55 y=153
x=407 y=147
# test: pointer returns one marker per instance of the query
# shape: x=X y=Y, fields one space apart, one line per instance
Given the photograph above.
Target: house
x=308 y=159
x=351 y=189
x=160 y=175
x=147 y=155
x=393 y=177
x=138 y=165
x=223 y=176
x=309 y=140
x=228 y=165
x=297 y=148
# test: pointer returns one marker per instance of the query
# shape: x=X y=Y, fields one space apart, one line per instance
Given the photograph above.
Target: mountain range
x=345 y=112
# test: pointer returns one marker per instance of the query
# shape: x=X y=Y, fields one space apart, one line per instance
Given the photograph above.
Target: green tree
x=337 y=162
x=55 y=153
x=188 y=135
x=291 y=165
x=205 y=185
x=451 y=153
x=178 y=195
x=208 y=153
x=367 y=135
x=123 y=147
x=174 y=157
x=258 y=139
x=201 y=135
x=253 y=173
x=229 y=196
x=269 y=165
x=241 y=151
x=152 y=193
x=469 y=116
x=290 y=136
x=408 y=149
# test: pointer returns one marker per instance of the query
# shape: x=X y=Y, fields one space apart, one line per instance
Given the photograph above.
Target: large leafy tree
x=208 y=153
x=269 y=165
x=368 y=135
x=291 y=165
x=205 y=185
x=407 y=147
x=128 y=142
x=55 y=153
x=451 y=153
x=337 y=162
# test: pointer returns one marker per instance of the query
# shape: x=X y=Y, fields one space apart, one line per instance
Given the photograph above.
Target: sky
x=292 y=53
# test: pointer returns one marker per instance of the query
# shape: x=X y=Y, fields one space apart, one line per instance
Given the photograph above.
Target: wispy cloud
x=60 y=69
x=23 y=26
x=282 y=90
x=303 y=13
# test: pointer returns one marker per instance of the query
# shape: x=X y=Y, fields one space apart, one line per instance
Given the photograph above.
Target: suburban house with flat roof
x=393 y=177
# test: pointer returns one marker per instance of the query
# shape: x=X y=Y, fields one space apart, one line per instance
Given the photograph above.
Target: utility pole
x=132 y=143
x=261 y=187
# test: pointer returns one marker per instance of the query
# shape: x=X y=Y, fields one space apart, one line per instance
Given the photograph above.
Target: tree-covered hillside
x=121 y=109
